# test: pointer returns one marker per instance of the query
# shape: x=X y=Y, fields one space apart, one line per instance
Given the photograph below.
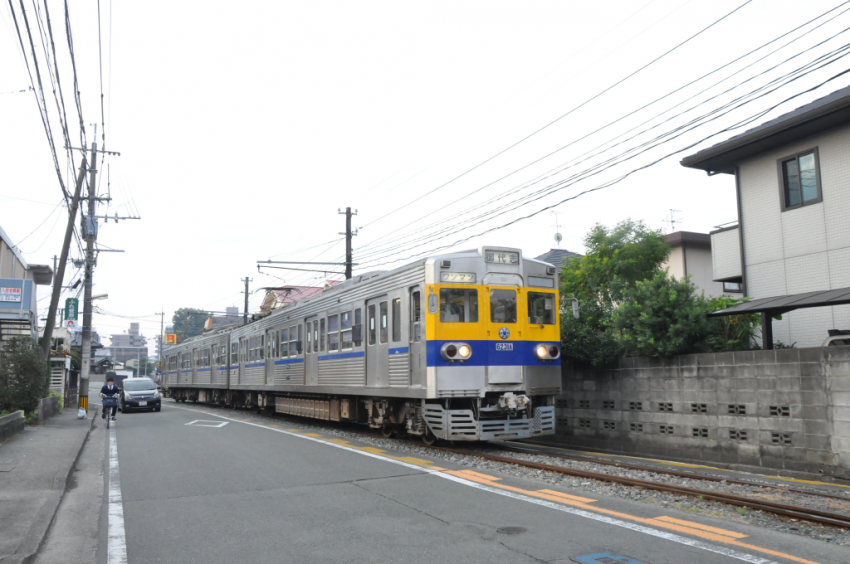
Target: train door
x=311 y=351
x=416 y=337
x=399 y=348
x=271 y=354
x=377 y=337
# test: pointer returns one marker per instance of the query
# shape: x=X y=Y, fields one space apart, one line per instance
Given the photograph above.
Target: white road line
x=563 y=508
x=116 y=545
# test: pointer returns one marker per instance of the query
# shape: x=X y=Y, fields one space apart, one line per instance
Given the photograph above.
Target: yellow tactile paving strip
x=682 y=526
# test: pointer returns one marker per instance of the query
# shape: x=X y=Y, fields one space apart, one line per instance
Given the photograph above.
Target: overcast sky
x=243 y=127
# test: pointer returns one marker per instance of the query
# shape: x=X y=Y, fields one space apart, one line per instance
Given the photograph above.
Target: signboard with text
x=170 y=338
x=10 y=294
x=72 y=306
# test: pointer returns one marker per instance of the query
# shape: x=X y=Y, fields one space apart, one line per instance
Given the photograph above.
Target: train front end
x=493 y=345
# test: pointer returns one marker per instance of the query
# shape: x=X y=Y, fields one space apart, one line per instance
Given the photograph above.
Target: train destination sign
x=499 y=257
x=466 y=277
x=10 y=294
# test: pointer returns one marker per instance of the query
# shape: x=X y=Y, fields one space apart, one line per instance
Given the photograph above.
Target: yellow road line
x=694 y=525
x=725 y=537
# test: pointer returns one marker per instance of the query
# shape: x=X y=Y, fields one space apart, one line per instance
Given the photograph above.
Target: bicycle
x=109 y=401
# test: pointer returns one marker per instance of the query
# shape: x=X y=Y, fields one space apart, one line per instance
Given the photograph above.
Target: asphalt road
x=234 y=488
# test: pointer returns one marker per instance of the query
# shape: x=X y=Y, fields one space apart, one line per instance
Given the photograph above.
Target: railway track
x=794 y=512
x=528 y=449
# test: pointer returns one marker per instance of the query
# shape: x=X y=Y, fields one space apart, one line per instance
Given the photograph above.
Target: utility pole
x=246 y=280
x=89 y=229
x=59 y=275
x=161 y=337
x=348 y=235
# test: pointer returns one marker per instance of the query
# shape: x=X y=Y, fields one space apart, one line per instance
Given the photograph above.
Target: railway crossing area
x=260 y=489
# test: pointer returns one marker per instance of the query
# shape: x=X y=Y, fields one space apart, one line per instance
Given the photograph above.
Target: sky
x=243 y=129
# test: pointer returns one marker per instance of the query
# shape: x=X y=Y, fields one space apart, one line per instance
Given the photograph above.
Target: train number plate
x=504 y=346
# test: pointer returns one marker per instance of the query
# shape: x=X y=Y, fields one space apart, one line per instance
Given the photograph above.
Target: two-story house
x=790 y=249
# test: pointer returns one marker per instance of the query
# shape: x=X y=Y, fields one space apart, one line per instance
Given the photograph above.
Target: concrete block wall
x=784 y=411
x=11 y=424
x=47 y=408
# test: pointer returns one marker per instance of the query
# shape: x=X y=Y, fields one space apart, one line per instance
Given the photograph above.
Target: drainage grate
x=511 y=530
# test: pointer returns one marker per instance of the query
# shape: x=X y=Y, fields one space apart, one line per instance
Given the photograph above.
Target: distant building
x=230 y=317
x=556 y=257
x=18 y=296
x=691 y=256
x=128 y=345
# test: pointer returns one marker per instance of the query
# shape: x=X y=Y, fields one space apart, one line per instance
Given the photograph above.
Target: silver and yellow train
x=463 y=346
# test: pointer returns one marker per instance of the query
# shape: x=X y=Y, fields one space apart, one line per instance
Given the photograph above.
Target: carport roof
x=781 y=304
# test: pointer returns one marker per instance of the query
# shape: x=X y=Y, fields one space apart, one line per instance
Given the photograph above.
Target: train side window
x=396 y=320
x=261 y=346
x=503 y=306
x=333 y=330
x=415 y=316
x=458 y=305
x=293 y=343
x=384 y=322
x=357 y=336
x=309 y=347
x=206 y=357
x=300 y=340
x=316 y=336
x=284 y=343
x=234 y=355
x=346 y=334
x=372 y=328
x=322 y=334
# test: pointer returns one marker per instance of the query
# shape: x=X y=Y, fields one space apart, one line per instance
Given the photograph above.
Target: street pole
x=245 y=314
x=161 y=331
x=59 y=276
x=90 y=234
x=348 y=235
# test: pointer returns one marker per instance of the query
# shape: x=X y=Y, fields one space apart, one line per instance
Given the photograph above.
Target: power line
x=556 y=120
x=738 y=125
x=511 y=190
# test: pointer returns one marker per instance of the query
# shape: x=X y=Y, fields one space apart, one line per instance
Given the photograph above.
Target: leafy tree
x=189 y=322
x=24 y=374
x=731 y=332
x=616 y=260
x=662 y=317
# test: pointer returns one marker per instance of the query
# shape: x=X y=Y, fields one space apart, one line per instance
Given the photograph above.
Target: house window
x=733 y=287
x=800 y=180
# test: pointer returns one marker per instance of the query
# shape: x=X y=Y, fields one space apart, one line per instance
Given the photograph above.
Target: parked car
x=139 y=393
x=837 y=337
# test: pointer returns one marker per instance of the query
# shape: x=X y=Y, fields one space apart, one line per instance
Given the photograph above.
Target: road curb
x=29 y=547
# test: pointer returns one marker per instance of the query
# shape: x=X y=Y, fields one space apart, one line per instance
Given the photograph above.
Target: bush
x=662 y=317
x=24 y=374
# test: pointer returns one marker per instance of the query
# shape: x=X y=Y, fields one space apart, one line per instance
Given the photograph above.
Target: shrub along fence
x=784 y=411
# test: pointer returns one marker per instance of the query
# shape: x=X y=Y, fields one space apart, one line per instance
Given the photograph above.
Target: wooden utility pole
x=59 y=275
x=348 y=235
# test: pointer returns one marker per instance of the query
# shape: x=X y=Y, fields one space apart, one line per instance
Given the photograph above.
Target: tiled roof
x=556 y=257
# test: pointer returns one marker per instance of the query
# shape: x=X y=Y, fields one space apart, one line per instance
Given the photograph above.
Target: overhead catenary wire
x=558 y=119
x=419 y=240
x=742 y=123
x=417 y=231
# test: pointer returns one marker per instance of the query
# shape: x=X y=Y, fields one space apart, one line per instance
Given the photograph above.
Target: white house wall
x=801 y=250
x=726 y=254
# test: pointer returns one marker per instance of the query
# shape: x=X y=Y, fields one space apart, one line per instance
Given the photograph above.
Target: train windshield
x=541 y=308
x=458 y=305
x=503 y=306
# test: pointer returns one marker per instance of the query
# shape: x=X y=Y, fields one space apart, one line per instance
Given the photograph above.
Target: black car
x=139 y=393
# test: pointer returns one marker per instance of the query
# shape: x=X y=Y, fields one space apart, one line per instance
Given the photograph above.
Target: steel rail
x=678 y=474
x=811 y=515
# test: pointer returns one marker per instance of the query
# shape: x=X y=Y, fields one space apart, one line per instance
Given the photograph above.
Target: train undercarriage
x=498 y=415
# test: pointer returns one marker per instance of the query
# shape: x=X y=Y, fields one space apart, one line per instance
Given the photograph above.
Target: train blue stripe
x=203 y=369
x=289 y=361
x=399 y=350
x=342 y=355
x=485 y=353
x=255 y=364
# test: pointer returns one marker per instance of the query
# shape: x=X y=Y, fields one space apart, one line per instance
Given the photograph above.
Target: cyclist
x=110 y=389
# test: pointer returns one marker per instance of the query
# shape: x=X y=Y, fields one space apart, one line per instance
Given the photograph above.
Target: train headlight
x=547 y=352
x=456 y=351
